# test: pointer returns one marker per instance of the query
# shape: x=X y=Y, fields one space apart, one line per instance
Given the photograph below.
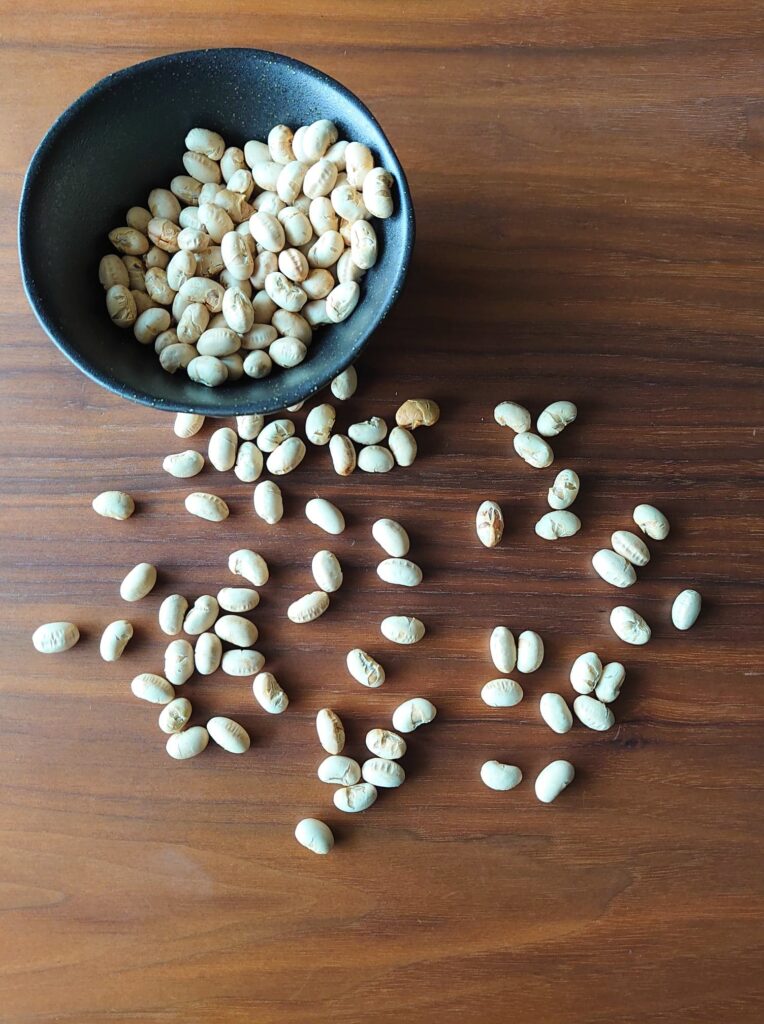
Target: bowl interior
x=124 y=137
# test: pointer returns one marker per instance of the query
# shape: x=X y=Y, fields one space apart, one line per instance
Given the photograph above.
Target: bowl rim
x=36 y=164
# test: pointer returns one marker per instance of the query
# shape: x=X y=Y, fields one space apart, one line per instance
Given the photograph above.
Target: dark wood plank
x=588 y=188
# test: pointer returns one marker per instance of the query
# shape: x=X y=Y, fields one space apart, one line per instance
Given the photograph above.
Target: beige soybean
x=165 y=340
x=611 y=681
x=685 y=609
x=315 y=313
x=249 y=462
x=208 y=652
x=365 y=669
x=201 y=616
x=287 y=457
x=139 y=582
x=202 y=140
x=555 y=525
x=201 y=167
x=344 y=385
x=314 y=835
x=111 y=271
x=613 y=568
x=586 y=672
x=377 y=196
x=287 y=352
x=391 y=537
x=236 y=255
x=290 y=179
x=417 y=412
x=553 y=779
x=489 y=524
x=293 y=265
x=164 y=233
x=319 y=423
x=150 y=323
x=353 y=799
x=267 y=231
x=242 y=662
x=343 y=455
x=129 y=241
x=172 y=613
x=339 y=770
x=218 y=341
x=651 y=522
x=114 y=505
x=501 y=693
x=206 y=506
x=499 y=776
x=555 y=418
x=138 y=217
x=231 y=161
x=309 y=607
x=327 y=571
x=236 y=630
x=402 y=629
x=514 y=416
x=533 y=449
x=326 y=250
x=346 y=269
x=115 y=639
x=564 y=490
x=208 y=370
x=136 y=272
x=142 y=303
x=629 y=625
x=530 y=651
x=273 y=434
x=186 y=188
x=358 y=162
x=370 y=431
x=412 y=713
x=235 y=365
x=152 y=688
x=336 y=153
x=202 y=289
x=189 y=215
x=400 y=572
x=55 y=637
x=249 y=564
x=266 y=175
x=503 y=649
x=248 y=427
x=631 y=547
x=269 y=694
x=318 y=283
x=269 y=505
x=258 y=365
x=188 y=743
x=255 y=152
x=174 y=716
x=121 y=306
x=183 y=464
x=156 y=258
x=193 y=240
x=385 y=744
x=179 y=662
x=229 y=735
x=383 y=773
x=330 y=730
x=222 y=449
x=181 y=268
x=402 y=444
x=320 y=178
x=297 y=228
x=238 y=599
x=176 y=357
x=363 y=244
x=318 y=137
x=292 y=325
x=348 y=204
x=593 y=714
x=375 y=458
x=325 y=515
x=556 y=713
x=342 y=300
x=187 y=424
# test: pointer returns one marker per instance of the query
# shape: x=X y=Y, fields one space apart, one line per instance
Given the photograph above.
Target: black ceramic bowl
x=122 y=138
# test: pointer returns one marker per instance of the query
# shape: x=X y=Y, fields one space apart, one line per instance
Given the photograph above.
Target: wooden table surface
x=588 y=184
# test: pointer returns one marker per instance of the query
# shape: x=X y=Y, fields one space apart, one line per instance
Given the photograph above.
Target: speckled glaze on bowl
x=122 y=138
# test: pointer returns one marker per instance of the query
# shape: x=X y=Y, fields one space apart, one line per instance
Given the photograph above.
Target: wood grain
x=588 y=184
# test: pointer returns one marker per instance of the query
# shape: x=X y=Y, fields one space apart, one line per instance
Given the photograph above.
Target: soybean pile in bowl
x=124 y=137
